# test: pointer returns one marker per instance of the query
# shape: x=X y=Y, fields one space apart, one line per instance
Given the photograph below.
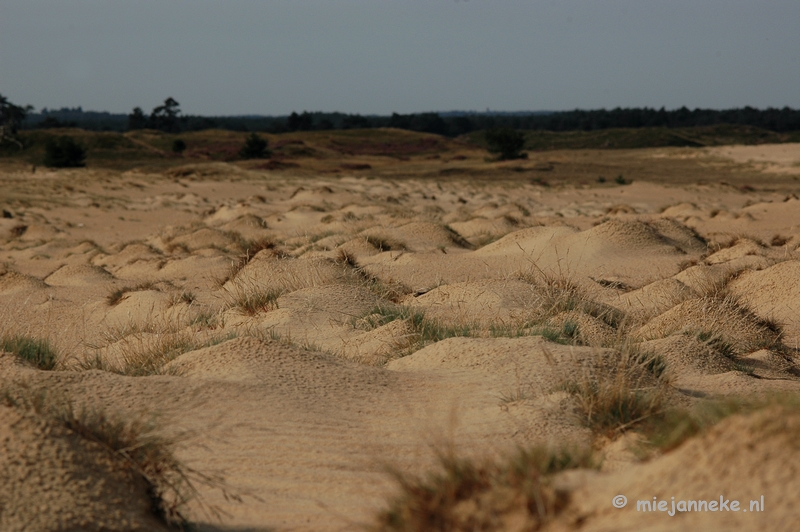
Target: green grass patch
x=36 y=351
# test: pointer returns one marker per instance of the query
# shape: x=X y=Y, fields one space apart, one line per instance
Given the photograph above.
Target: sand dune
x=305 y=331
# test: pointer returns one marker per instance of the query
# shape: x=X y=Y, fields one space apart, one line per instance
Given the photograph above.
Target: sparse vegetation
x=36 y=351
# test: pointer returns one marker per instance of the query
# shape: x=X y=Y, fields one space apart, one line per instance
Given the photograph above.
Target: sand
x=283 y=311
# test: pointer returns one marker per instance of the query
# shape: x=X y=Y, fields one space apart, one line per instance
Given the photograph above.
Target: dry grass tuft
x=249 y=249
x=251 y=299
x=384 y=243
x=464 y=495
x=562 y=295
x=626 y=389
x=392 y=290
x=115 y=297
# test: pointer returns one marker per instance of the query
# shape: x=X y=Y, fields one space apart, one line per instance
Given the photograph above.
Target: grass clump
x=36 y=351
x=424 y=330
x=623 y=391
x=559 y=294
x=252 y=300
x=466 y=495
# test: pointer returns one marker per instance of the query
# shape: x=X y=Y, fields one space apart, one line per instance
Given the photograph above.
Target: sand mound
x=679 y=235
x=532 y=361
x=632 y=236
x=482 y=302
x=528 y=240
x=723 y=319
x=688 y=355
x=338 y=302
x=249 y=226
x=588 y=330
x=773 y=294
x=284 y=369
x=654 y=298
x=415 y=236
x=203 y=238
x=53 y=480
x=79 y=275
x=267 y=272
x=743 y=458
x=143 y=307
x=379 y=345
x=14 y=282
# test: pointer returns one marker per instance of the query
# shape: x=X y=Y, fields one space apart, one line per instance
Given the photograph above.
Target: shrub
x=255 y=148
x=33 y=350
x=64 y=152
x=178 y=146
x=506 y=142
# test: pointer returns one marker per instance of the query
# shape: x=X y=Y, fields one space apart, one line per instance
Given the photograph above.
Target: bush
x=506 y=142
x=254 y=148
x=178 y=146
x=64 y=152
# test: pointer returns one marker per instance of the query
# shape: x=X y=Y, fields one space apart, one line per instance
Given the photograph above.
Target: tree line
x=168 y=117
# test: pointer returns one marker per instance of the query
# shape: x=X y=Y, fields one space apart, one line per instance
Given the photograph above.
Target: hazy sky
x=379 y=56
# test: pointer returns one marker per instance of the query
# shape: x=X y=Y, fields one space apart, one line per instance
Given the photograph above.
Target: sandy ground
x=277 y=301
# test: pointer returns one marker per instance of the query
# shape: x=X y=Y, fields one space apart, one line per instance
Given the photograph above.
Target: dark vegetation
x=64 y=152
x=165 y=133
x=506 y=143
x=168 y=118
x=178 y=146
x=254 y=148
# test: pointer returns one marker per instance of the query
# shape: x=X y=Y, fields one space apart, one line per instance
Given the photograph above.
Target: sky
x=272 y=57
